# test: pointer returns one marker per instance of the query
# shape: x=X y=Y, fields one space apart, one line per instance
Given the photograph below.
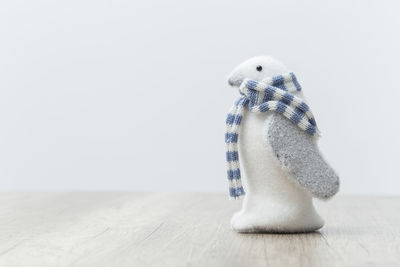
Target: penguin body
x=281 y=165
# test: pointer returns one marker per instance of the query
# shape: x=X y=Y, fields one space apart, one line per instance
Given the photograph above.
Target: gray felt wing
x=299 y=155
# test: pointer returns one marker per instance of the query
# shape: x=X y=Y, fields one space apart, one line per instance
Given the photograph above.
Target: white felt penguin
x=276 y=134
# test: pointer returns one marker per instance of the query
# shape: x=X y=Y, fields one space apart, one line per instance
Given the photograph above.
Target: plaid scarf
x=271 y=94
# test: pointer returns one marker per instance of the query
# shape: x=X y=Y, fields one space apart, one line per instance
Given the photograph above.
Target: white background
x=132 y=95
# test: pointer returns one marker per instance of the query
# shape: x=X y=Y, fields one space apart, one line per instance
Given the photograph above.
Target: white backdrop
x=132 y=95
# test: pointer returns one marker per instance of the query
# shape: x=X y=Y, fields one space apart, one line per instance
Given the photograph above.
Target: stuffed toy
x=273 y=132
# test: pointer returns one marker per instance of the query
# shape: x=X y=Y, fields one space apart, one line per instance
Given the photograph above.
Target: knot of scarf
x=271 y=94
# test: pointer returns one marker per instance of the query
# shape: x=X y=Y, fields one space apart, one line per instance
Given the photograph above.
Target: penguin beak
x=235 y=80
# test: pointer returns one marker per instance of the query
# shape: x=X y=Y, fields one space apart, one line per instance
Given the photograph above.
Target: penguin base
x=269 y=217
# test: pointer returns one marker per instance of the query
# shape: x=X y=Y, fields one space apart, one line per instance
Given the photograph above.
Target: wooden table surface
x=186 y=229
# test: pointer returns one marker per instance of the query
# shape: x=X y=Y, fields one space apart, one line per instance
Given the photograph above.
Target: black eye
x=259 y=68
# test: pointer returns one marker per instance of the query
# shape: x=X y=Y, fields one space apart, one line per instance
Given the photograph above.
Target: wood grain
x=186 y=229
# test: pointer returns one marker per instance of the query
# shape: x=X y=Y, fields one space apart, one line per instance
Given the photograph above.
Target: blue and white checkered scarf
x=271 y=94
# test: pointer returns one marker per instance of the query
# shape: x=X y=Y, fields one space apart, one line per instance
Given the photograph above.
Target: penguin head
x=256 y=68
